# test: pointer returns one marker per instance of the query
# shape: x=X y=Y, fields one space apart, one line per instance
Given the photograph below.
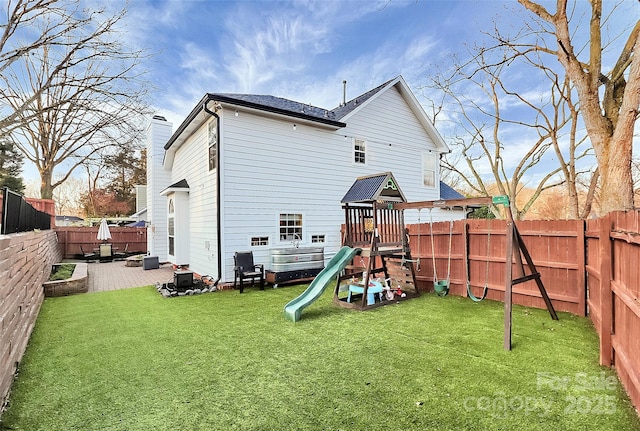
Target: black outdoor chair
x=87 y=256
x=244 y=269
x=120 y=255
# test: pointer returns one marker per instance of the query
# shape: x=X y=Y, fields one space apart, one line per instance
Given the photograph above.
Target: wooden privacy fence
x=71 y=238
x=557 y=249
x=588 y=267
x=613 y=274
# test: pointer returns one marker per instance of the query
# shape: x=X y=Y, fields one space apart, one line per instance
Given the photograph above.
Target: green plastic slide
x=293 y=309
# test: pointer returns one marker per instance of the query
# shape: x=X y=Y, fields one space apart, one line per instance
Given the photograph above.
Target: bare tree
x=67 y=197
x=27 y=27
x=609 y=101
x=491 y=152
x=76 y=97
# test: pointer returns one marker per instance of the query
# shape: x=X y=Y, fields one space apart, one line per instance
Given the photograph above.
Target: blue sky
x=298 y=50
x=303 y=50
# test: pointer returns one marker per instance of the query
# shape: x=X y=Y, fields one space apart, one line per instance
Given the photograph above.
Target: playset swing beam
x=516 y=249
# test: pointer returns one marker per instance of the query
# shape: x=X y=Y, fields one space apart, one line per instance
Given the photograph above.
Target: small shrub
x=62 y=272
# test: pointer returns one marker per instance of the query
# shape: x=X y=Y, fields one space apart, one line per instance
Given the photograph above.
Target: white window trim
x=212 y=126
x=171 y=216
x=268 y=244
x=434 y=155
x=303 y=220
x=365 y=144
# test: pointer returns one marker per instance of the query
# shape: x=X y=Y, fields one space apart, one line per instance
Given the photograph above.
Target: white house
x=253 y=172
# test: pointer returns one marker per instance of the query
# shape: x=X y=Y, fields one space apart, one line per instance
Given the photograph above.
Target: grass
x=131 y=360
x=63 y=271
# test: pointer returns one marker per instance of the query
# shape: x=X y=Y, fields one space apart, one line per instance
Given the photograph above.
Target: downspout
x=218 y=176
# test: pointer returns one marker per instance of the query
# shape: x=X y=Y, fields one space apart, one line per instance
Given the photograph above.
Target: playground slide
x=293 y=309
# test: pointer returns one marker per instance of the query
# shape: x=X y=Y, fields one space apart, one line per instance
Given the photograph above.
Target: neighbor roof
x=446 y=192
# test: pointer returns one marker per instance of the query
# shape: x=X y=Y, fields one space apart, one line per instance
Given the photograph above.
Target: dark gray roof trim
x=182 y=184
x=276 y=105
x=279 y=105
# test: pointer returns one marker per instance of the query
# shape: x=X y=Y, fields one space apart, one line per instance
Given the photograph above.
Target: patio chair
x=121 y=255
x=106 y=253
x=245 y=269
x=87 y=256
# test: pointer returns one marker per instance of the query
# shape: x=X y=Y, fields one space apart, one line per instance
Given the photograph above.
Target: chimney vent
x=344 y=92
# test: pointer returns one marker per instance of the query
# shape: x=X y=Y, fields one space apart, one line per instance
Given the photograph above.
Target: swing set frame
x=516 y=251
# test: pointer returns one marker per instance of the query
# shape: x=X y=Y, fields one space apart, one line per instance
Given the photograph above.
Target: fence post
x=606 y=294
x=581 y=242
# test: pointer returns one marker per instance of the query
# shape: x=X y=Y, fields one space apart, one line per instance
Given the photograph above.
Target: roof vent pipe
x=344 y=92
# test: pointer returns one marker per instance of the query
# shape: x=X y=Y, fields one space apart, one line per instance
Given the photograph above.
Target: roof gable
x=335 y=118
x=378 y=187
x=345 y=112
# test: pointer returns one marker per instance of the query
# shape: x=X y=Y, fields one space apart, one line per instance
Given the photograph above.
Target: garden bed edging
x=76 y=284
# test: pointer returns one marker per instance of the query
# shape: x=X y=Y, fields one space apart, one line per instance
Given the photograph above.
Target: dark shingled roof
x=182 y=184
x=341 y=111
x=373 y=187
x=279 y=104
x=447 y=192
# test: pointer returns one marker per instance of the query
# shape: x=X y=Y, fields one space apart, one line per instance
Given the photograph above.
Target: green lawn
x=131 y=360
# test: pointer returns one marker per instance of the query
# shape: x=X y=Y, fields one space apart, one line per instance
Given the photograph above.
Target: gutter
x=218 y=176
x=239 y=102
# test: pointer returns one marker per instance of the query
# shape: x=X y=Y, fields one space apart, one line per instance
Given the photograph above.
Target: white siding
x=191 y=164
x=158 y=179
x=268 y=168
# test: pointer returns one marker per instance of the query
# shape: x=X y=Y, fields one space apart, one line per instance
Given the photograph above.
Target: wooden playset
x=384 y=271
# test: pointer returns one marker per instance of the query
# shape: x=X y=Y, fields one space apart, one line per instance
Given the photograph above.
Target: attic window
x=212 y=140
x=359 y=151
x=429 y=165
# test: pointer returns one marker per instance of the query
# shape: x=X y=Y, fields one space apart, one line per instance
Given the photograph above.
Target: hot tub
x=295 y=264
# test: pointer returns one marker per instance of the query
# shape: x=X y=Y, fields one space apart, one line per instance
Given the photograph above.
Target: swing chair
x=486 y=271
x=441 y=287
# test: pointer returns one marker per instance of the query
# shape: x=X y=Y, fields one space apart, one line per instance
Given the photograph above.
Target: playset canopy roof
x=371 y=188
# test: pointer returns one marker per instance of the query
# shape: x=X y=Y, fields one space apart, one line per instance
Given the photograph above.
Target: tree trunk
x=616 y=182
x=46 y=190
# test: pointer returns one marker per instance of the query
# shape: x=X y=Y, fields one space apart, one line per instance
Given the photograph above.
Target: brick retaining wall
x=25 y=263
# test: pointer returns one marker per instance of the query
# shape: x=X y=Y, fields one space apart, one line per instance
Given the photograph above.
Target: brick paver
x=115 y=275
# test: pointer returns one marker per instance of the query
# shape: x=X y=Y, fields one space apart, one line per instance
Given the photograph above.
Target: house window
x=213 y=144
x=171 y=228
x=290 y=227
x=429 y=165
x=359 y=151
x=257 y=241
x=317 y=238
